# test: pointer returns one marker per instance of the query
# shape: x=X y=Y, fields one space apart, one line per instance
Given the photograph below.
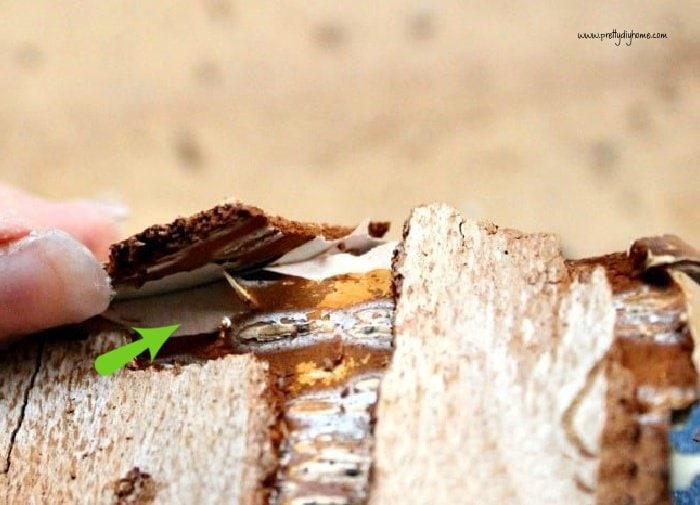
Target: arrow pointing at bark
x=153 y=339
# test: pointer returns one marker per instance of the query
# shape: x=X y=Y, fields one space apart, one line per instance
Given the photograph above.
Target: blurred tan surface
x=340 y=110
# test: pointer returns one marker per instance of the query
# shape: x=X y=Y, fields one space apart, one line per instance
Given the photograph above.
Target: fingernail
x=49 y=279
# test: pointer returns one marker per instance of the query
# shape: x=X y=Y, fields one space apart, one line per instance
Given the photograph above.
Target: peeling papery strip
x=199 y=309
x=316 y=249
x=210 y=272
x=666 y=251
x=327 y=265
x=359 y=240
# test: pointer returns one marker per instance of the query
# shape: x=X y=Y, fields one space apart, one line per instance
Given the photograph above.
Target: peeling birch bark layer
x=510 y=382
x=649 y=373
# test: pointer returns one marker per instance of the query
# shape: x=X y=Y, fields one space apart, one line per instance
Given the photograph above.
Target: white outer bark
x=491 y=351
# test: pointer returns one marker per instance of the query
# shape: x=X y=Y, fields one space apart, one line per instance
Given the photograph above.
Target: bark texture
x=507 y=378
x=517 y=377
x=182 y=434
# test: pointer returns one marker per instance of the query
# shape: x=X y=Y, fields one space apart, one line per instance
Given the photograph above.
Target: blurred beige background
x=330 y=110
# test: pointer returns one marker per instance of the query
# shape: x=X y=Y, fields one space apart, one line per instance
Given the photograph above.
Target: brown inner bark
x=327 y=344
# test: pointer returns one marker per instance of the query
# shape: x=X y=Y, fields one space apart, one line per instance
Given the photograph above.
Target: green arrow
x=153 y=339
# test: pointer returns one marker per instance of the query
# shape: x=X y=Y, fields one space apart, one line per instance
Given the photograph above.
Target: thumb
x=47 y=279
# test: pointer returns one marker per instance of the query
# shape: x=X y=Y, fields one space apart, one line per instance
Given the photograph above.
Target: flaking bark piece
x=240 y=237
x=652 y=255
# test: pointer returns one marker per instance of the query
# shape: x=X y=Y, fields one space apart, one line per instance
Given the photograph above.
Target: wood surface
x=489 y=397
x=191 y=434
x=17 y=368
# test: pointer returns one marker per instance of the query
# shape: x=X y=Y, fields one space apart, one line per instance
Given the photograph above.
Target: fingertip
x=49 y=279
x=92 y=223
x=95 y=223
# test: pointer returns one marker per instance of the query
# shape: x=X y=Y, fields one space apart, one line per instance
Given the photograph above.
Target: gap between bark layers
x=327 y=344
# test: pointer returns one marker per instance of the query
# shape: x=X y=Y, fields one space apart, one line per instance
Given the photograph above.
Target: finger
x=93 y=223
x=12 y=229
x=47 y=279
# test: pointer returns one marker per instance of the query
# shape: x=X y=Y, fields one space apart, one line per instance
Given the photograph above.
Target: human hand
x=49 y=268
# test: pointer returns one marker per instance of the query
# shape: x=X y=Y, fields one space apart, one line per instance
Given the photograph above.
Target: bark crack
x=25 y=400
x=567 y=418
